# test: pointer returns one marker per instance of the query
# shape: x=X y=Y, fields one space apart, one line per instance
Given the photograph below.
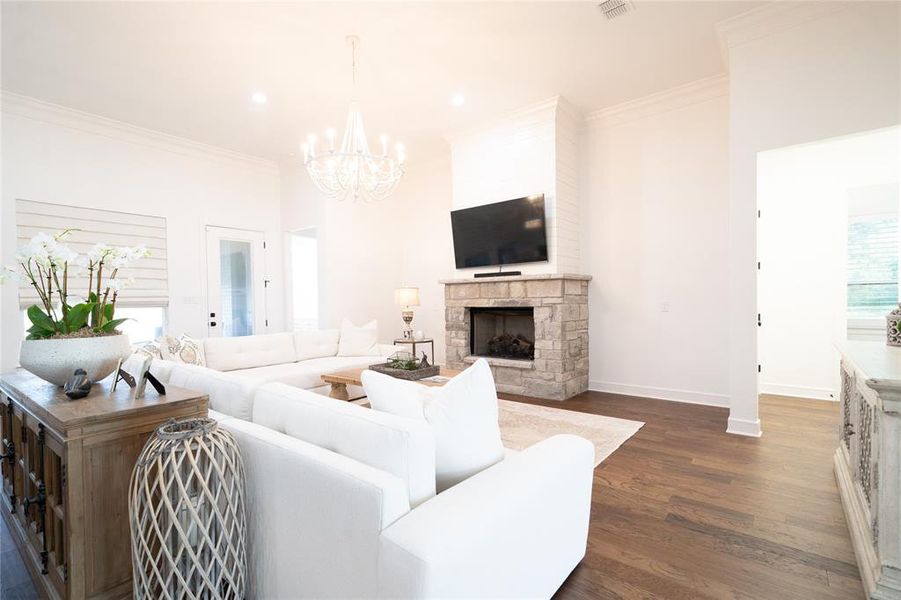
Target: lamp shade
x=406 y=296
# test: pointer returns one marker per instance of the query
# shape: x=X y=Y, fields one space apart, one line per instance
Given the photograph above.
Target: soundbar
x=498 y=274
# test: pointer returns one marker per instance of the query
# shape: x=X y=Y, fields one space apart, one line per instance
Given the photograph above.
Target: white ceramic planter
x=54 y=360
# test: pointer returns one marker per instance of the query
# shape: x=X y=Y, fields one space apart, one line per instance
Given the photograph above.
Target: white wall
x=798 y=72
x=368 y=250
x=531 y=151
x=56 y=155
x=658 y=194
x=427 y=250
x=805 y=194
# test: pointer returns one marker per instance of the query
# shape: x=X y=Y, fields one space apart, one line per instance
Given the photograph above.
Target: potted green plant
x=72 y=329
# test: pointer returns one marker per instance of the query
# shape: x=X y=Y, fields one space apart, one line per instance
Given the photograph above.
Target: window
x=305 y=279
x=872 y=264
x=145 y=324
x=143 y=302
x=91 y=225
x=236 y=287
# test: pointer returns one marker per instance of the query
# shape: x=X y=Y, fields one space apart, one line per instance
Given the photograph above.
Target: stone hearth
x=559 y=369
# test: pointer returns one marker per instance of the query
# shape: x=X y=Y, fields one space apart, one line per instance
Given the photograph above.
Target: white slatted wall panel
x=111 y=227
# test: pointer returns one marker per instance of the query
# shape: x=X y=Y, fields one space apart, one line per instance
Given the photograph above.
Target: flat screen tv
x=502 y=233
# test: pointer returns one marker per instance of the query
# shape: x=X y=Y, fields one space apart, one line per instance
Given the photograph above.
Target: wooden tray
x=404 y=373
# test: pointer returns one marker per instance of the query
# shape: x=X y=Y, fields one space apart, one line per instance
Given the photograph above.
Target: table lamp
x=407 y=297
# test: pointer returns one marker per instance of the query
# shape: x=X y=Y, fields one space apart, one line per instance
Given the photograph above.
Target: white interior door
x=236 y=287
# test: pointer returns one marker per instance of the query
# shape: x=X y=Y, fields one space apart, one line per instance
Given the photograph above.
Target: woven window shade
x=151 y=278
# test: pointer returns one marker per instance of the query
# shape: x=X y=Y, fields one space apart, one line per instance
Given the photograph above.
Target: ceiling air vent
x=615 y=8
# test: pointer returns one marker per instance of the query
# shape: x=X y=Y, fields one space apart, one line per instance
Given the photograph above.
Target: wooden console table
x=868 y=462
x=66 y=466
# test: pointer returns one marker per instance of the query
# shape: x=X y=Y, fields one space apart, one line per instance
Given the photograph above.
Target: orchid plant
x=46 y=264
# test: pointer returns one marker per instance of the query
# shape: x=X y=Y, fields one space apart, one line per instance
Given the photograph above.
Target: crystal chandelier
x=352 y=171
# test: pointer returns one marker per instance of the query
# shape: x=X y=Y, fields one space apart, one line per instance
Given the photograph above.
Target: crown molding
x=31 y=108
x=770 y=18
x=675 y=98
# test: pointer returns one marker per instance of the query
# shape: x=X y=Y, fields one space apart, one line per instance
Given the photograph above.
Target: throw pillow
x=184 y=350
x=396 y=396
x=359 y=341
x=462 y=413
x=149 y=349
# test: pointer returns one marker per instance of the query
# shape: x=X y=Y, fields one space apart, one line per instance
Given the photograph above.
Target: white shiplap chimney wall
x=531 y=151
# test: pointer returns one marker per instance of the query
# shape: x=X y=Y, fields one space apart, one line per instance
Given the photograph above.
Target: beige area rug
x=525 y=424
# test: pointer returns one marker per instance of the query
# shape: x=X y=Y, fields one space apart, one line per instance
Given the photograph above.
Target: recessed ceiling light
x=259 y=98
x=458 y=100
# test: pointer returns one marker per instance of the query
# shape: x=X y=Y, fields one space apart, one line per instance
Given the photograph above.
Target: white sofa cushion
x=358 y=341
x=402 y=447
x=462 y=414
x=316 y=344
x=313 y=517
x=161 y=369
x=233 y=396
x=233 y=353
x=306 y=374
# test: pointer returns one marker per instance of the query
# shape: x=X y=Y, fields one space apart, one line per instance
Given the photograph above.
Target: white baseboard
x=798 y=391
x=743 y=427
x=673 y=395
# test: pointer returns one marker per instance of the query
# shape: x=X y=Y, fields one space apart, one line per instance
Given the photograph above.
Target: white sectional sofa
x=296 y=359
x=243 y=364
x=341 y=500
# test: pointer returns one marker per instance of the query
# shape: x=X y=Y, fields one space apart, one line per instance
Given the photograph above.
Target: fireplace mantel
x=539 y=276
x=559 y=369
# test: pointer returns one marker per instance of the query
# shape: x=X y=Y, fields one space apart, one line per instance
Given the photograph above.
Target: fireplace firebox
x=500 y=332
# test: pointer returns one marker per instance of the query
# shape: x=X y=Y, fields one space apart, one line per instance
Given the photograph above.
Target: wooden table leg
x=339 y=391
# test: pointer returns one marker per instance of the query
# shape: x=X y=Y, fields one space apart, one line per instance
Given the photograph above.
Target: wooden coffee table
x=339 y=380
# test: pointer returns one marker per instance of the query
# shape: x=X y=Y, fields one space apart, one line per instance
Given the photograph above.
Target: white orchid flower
x=124 y=256
x=119 y=283
x=100 y=252
x=46 y=251
x=78 y=267
x=118 y=258
x=139 y=252
x=61 y=254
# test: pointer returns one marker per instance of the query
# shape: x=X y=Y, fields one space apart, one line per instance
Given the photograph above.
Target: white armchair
x=515 y=530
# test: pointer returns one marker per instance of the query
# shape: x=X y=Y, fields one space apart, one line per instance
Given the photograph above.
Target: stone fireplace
x=532 y=330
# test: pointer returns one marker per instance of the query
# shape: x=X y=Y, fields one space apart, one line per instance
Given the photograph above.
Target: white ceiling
x=189 y=69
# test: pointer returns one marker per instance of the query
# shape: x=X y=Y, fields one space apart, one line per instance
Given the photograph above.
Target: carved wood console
x=65 y=470
x=868 y=462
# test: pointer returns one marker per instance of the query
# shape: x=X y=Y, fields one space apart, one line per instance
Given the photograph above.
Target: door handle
x=212 y=323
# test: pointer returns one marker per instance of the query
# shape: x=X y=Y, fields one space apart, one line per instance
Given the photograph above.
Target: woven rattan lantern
x=186 y=506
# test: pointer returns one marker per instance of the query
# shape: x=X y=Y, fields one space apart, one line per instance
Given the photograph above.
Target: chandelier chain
x=353 y=64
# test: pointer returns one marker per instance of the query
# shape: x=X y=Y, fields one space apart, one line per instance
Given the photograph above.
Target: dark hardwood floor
x=685 y=510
